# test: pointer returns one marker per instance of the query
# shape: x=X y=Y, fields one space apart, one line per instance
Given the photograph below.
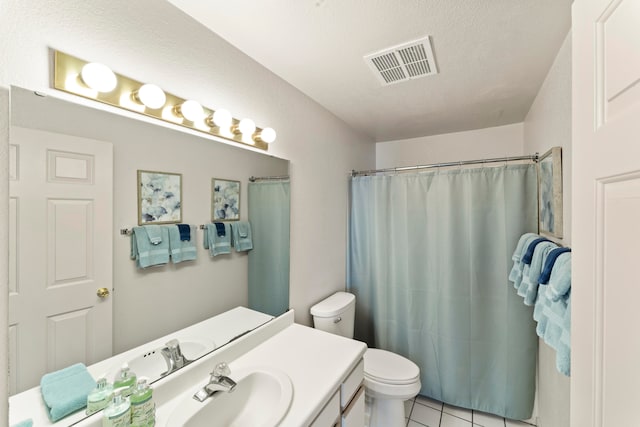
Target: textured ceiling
x=492 y=56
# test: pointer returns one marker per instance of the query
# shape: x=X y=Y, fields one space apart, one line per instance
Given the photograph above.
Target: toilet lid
x=390 y=368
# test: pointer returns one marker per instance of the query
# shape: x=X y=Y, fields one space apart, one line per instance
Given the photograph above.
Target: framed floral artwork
x=159 y=197
x=225 y=200
x=550 y=193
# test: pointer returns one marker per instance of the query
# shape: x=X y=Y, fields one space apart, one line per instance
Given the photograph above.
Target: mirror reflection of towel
x=185 y=232
x=220 y=229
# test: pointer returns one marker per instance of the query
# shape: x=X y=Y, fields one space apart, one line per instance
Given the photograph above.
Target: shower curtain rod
x=268 y=178
x=532 y=157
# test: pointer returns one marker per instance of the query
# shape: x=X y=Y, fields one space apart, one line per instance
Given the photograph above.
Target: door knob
x=103 y=292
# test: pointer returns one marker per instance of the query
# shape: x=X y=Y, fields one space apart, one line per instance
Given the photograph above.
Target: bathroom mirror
x=145 y=303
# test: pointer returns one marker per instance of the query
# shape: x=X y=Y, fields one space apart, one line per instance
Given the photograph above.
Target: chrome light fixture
x=96 y=81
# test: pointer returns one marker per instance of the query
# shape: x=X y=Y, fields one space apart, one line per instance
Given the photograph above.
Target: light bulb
x=151 y=96
x=267 y=135
x=221 y=118
x=98 y=77
x=246 y=126
x=190 y=110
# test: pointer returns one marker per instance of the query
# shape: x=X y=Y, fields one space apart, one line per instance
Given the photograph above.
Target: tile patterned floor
x=422 y=411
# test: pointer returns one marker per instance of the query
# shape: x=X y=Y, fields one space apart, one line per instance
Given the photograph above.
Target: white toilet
x=389 y=379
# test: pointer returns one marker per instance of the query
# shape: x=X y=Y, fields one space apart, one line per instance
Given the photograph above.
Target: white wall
x=500 y=141
x=548 y=124
x=150 y=40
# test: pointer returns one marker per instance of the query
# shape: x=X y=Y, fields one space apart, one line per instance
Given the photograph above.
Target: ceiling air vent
x=406 y=61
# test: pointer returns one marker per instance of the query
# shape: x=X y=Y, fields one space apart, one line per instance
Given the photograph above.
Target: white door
x=61 y=198
x=605 y=354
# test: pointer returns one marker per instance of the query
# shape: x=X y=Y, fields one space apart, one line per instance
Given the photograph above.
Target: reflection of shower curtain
x=269 y=259
x=428 y=261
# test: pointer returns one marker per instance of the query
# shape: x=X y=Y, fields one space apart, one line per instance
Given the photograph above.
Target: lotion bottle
x=143 y=408
x=100 y=397
x=118 y=413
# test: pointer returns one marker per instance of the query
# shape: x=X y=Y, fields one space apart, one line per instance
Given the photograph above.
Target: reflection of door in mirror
x=61 y=197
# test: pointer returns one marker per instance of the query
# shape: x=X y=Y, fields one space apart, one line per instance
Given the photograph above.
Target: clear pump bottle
x=100 y=397
x=125 y=379
x=143 y=408
x=118 y=413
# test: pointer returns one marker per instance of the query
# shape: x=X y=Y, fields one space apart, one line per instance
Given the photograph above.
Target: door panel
x=61 y=253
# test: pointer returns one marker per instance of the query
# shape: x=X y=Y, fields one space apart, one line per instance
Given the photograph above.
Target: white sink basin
x=152 y=365
x=261 y=398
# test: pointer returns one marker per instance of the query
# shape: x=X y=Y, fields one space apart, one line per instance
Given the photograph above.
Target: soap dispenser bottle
x=118 y=413
x=143 y=408
x=100 y=397
x=125 y=379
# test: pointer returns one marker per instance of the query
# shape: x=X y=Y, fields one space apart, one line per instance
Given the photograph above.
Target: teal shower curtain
x=429 y=258
x=269 y=259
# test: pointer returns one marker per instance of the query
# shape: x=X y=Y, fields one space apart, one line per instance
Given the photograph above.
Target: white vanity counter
x=316 y=362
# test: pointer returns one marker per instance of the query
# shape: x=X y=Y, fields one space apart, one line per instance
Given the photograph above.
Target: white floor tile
x=513 y=423
x=414 y=424
x=487 y=420
x=435 y=404
x=408 y=405
x=426 y=415
x=451 y=421
x=463 y=413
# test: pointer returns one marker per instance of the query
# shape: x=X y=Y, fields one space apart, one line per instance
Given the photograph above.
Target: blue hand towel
x=144 y=252
x=217 y=245
x=532 y=247
x=241 y=232
x=65 y=391
x=529 y=286
x=24 y=423
x=220 y=229
x=560 y=280
x=548 y=264
x=517 y=271
x=155 y=234
x=185 y=232
x=181 y=250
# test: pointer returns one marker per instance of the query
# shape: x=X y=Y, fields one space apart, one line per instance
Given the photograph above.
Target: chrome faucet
x=173 y=357
x=219 y=381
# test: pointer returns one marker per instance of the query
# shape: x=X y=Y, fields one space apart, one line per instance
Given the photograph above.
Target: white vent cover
x=406 y=61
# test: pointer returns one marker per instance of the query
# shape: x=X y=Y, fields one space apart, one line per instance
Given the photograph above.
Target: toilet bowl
x=389 y=379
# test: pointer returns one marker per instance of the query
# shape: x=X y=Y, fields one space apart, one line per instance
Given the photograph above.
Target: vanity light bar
x=97 y=82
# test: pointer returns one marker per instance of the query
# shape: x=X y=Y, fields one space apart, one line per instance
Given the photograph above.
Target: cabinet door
x=353 y=415
x=330 y=413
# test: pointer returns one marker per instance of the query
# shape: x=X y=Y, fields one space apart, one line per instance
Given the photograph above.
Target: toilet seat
x=385 y=367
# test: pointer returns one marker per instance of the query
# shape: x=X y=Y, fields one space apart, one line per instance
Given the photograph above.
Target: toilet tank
x=335 y=314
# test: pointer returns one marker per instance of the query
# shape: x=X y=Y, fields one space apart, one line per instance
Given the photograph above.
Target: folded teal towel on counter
x=528 y=288
x=181 y=250
x=216 y=244
x=517 y=271
x=146 y=254
x=241 y=233
x=65 y=391
x=25 y=423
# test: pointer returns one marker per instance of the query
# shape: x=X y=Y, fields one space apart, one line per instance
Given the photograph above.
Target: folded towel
x=24 y=423
x=557 y=331
x=220 y=229
x=241 y=233
x=144 y=252
x=528 y=288
x=522 y=243
x=517 y=271
x=155 y=234
x=560 y=280
x=217 y=245
x=181 y=250
x=532 y=247
x=563 y=352
x=549 y=263
x=65 y=391
x=185 y=232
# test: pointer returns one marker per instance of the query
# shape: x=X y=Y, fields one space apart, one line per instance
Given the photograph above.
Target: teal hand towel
x=241 y=232
x=517 y=271
x=529 y=287
x=146 y=254
x=560 y=279
x=25 y=423
x=65 y=391
x=155 y=234
x=181 y=250
x=217 y=245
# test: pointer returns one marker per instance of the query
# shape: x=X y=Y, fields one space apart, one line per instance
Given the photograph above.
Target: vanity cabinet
x=346 y=406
